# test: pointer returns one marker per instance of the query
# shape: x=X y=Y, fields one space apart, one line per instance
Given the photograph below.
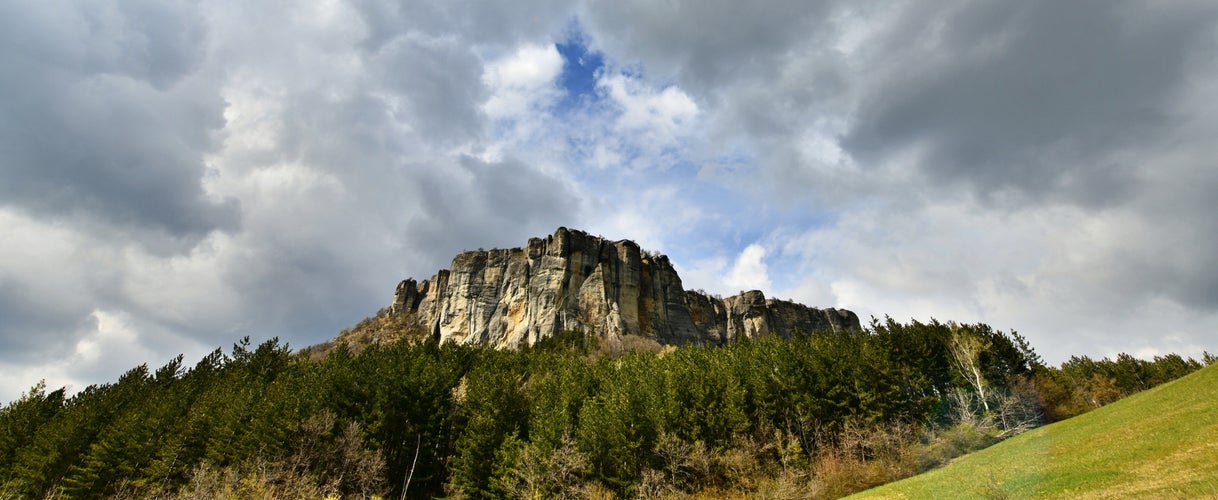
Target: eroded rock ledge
x=570 y=280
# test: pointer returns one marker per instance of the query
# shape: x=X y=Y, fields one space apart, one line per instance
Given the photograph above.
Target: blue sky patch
x=578 y=69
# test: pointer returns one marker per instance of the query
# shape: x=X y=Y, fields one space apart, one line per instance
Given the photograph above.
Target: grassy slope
x=1161 y=443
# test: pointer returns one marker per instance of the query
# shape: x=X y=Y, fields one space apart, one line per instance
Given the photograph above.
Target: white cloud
x=704 y=274
x=663 y=115
x=114 y=335
x=108 y=344
x=522 y=83
x=749 y=271
x=1067 y=279
x=630 y=211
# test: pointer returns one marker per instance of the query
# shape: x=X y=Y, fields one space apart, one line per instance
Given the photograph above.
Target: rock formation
x=573 y=281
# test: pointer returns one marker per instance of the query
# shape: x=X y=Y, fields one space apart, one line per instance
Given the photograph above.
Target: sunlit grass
x=1162 y=443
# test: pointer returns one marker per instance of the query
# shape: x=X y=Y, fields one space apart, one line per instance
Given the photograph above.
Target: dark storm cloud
x=477 y=21
x=498 y=204
x=702 y=43
x=1171 y=251
x=101 y=120
x=31 y=328
x=1039 y=97
x=439 y=83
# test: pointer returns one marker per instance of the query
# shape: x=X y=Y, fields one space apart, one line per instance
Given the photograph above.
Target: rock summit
x=571 y=280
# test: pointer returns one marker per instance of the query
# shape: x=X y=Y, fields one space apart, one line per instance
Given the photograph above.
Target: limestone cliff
x=573 y=281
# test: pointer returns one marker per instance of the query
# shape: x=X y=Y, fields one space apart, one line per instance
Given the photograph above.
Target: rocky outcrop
x=573 y=281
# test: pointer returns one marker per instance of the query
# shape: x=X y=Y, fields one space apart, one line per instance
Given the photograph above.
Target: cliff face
x=573 y=281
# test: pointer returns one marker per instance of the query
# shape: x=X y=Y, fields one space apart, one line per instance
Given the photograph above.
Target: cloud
x=663 y=115
x=524 y=80
x=477 y=22
x=265 y=179
x=1025 y=164
x=108 y=344
x=1043 y=271
x=176 y=175
x=107 y=117
x=432 y=84
x=46 y=285
x=672 y=39
x=1045 y=100
x=491 y=203
x=749 y=272
x=523 y=92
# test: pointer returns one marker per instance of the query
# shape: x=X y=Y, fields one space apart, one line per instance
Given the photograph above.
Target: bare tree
x=966 y=347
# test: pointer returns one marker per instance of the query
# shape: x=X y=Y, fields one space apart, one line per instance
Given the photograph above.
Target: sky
x=176 y=175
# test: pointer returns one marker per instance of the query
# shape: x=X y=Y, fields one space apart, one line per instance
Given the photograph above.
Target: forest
x=816 y=415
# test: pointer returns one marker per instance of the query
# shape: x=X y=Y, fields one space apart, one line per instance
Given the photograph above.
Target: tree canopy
x=415 y=418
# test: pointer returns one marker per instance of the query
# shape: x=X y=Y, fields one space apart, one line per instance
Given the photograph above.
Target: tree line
x=819 y=414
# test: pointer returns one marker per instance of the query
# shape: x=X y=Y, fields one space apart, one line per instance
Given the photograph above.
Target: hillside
x=771 y=417
x=811 y=416
x=577 y=367
x=1157 y=444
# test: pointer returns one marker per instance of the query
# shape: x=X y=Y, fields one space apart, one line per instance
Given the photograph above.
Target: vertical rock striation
x=573 y=281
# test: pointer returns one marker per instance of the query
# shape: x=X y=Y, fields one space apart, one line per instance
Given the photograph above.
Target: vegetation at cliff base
x=1157 y=444
x=817 y=415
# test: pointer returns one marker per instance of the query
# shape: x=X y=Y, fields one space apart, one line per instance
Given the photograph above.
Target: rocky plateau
x=570 y=280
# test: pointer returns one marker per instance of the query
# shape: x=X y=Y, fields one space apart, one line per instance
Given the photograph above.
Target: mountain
x=571 y=280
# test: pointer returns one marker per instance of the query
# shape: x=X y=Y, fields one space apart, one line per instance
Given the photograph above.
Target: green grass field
x=1161 y=443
